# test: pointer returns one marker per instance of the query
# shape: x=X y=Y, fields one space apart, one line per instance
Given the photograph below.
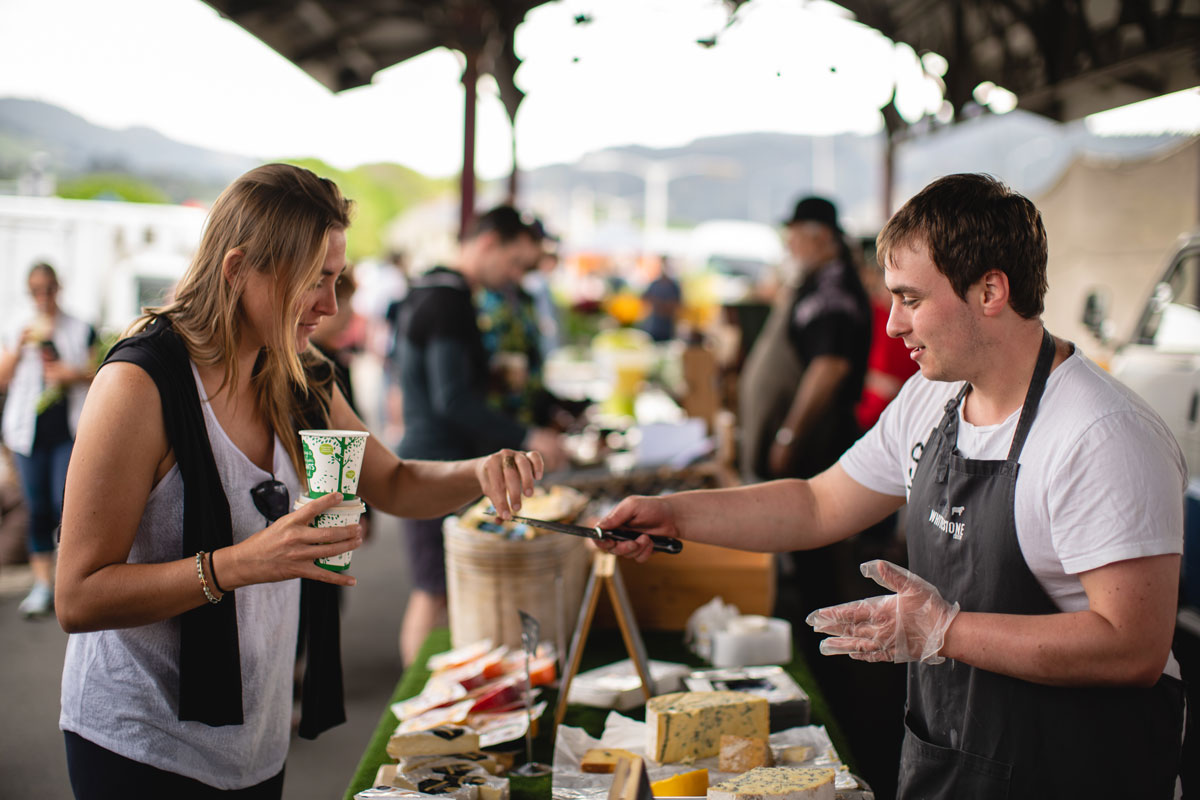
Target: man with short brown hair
x=1044 y=526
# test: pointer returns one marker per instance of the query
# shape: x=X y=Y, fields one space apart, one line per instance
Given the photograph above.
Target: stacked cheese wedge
x=445 y=762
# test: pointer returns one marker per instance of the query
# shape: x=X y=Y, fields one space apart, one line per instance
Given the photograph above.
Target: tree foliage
x=380 y=192
x=111 y=186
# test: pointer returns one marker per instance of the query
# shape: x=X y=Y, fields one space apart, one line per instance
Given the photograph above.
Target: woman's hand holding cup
x=287 y=548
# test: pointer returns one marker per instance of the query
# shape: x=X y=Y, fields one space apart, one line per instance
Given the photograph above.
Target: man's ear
x=994 y=292
x=231 y=265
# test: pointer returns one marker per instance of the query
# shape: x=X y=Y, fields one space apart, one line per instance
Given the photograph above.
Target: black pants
x=99 y=774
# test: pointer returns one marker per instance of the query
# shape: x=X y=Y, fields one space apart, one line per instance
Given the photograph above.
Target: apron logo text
x=955 y=529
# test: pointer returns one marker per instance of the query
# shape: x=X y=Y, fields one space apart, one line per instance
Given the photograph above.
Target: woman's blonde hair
x=279 y=217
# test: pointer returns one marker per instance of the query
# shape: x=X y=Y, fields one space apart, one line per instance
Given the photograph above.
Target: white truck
x=1160 y=359
x=111 y=257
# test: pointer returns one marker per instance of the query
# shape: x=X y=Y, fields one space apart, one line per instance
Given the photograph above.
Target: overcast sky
x=635 y=75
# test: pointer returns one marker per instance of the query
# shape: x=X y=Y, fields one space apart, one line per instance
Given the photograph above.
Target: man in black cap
x=804 y=428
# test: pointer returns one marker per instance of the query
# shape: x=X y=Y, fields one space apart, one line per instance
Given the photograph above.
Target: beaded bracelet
x=204 y=583
x=212 y=570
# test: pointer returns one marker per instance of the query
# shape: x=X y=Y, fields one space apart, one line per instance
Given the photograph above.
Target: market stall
x=604 y=647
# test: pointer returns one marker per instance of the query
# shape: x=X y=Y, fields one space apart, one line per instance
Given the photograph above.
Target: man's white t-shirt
x=1101 y=477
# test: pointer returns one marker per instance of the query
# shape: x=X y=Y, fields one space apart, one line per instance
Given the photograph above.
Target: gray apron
x=971 y=733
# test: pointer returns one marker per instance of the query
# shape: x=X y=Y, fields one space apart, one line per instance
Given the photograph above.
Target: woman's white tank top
x=120 y=687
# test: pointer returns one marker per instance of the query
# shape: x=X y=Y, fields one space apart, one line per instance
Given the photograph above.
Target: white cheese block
x=477 y=757
x=777 y=783
x=453 y=777
x=385 y=774
x=494 y=788
x=743 y=753
x=389 y=793
x=452 y=787
x=688 y=725
x=442 y=740
x=794 y=754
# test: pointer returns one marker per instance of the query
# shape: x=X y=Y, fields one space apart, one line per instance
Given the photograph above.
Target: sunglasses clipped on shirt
x=271 y=499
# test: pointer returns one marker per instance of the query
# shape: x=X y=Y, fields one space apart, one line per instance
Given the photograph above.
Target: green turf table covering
x=603 y=647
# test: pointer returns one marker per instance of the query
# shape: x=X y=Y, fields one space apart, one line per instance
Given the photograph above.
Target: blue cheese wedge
x=442 y=740
x=777 y=783
x=687 y=725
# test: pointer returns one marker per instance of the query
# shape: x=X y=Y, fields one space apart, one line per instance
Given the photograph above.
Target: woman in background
x=46 y=363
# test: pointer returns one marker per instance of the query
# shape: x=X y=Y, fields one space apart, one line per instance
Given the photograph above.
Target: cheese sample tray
x=570 y=782
x=618 y=686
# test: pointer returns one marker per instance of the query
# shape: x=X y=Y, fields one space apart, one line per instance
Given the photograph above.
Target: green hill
x=380 y=192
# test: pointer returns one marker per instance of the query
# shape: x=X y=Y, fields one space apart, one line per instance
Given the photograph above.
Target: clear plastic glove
x=909 y=625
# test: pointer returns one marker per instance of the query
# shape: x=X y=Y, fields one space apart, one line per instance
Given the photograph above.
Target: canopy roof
x=343 y=43
x=1063 y=59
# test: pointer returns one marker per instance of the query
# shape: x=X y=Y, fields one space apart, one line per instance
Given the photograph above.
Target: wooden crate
x=665 y=590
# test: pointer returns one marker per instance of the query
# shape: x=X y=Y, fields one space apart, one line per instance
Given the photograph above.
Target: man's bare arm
x=1121 y=640
x=768 y=517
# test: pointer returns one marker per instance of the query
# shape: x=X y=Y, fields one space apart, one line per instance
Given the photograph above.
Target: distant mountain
x=75 y=147
x=753 y=176
x=772 y=170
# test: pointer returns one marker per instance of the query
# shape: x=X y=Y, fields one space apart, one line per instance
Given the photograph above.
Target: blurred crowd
x=798 y=358
x=797 y=355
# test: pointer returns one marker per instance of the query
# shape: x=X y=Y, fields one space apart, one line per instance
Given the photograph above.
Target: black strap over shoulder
x=210 y=679
x=321 y=699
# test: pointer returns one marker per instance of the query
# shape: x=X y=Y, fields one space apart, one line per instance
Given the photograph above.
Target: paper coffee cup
x=342 y=514
x=332 y=460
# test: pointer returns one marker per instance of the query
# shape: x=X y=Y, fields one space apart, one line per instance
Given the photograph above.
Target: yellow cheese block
x=686 y=784
x=602 y=759
x=687 y=725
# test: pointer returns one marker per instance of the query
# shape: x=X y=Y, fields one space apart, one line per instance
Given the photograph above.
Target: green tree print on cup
x=336 y=460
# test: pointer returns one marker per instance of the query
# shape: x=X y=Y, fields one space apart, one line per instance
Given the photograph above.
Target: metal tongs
x=663 y=544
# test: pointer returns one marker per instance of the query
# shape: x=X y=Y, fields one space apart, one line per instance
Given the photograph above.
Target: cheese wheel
x=777 y=783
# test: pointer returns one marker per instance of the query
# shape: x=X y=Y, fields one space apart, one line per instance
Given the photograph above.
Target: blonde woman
x=180 y=554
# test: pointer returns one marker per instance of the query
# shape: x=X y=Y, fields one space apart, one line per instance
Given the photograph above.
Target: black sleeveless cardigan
x=210 y=679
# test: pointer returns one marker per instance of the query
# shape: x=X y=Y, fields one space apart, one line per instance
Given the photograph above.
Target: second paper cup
x=342 y=514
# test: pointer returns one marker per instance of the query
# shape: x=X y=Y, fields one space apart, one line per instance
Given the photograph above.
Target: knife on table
x=663 y=544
